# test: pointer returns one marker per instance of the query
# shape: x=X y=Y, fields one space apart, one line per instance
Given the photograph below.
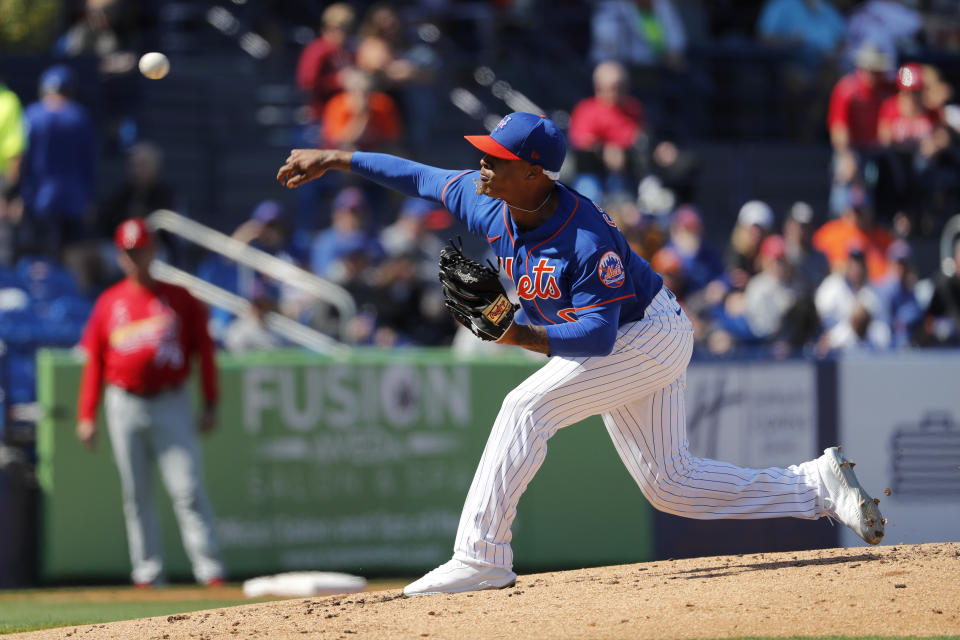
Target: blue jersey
x=58 y=175
x=575 y=265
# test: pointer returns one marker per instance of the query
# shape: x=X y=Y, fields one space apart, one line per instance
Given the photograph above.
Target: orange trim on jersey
x=526 y=261
x=565 y=313
x=506 y=223
x=443 y=194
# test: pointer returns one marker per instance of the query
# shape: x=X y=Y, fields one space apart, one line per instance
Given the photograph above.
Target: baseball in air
x=154 y=65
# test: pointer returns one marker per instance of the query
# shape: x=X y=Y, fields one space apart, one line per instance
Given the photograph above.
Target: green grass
x=34 y=609
x=26 y=615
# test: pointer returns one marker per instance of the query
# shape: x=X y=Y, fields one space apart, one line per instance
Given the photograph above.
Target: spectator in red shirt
x=913 y=134
x=321 y=62
x=140 y=339
x=856 y=99
x=905 y=122
x=607 y=129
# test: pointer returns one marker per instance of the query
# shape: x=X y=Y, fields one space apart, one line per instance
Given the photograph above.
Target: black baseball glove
x=473 y=294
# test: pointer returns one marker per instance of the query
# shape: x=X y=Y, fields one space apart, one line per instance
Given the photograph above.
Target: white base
x=303 y=583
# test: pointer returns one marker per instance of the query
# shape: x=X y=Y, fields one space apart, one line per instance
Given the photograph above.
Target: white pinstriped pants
x=638 y=390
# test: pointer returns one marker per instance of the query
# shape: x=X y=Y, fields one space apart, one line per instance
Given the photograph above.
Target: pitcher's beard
x=483 y=189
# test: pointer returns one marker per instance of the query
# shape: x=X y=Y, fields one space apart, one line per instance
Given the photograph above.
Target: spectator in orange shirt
x=855 y=227
x=360 y=118
x=322 y=61
x=607 y=128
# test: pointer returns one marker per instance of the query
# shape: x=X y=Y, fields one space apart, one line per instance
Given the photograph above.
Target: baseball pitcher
x=619 y=346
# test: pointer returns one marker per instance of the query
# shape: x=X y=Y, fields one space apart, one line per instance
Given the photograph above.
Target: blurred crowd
x=859 y=77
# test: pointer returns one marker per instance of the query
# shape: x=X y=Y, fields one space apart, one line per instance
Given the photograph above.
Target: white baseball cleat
x=846 y=500
x=456 y=576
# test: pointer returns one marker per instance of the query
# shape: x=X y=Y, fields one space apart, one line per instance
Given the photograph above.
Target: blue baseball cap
x=57 y=79
x=268 y=211
x=525 y=136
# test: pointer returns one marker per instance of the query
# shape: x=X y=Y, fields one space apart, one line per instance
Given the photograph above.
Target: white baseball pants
x=161 y=428
x=638 y=391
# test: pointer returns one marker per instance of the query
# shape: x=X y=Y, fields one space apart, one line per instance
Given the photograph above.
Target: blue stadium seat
x=44 y=279
x=21 y=375
x=220 y=272
x=18 y=327
x=70 y=310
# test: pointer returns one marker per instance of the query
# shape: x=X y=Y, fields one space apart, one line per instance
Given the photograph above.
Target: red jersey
x=318 y=72
x=142 y=340
x=855 y=105
x=907 y=128
x=595 y=123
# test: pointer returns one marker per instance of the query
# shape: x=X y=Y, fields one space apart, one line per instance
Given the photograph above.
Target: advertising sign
x=900 y=420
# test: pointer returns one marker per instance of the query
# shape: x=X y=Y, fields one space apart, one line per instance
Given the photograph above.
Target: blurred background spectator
x=754 y=222
x=810 y=266
x=700 y=261
x=855 y=101
x=322 y=62
x=404 y=69
x=811 y=33
x=359 y=117
x=607 y=133
x=12 y=143
x=850 y=309
x=900 y=306
x=58 y=171
x=638 y=33
x=855 y=226
x=941 y=322
x=350 y=226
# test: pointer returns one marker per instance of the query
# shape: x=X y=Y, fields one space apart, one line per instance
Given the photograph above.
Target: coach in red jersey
x=139 y=341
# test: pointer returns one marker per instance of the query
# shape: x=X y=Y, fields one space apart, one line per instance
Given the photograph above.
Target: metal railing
x=276 y=322
x=947 y=239
x=280 y=270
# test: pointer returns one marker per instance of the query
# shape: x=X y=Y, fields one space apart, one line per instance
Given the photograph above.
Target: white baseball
x=154 y=65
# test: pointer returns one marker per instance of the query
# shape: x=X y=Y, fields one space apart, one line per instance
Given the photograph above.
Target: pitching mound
x=887 y=591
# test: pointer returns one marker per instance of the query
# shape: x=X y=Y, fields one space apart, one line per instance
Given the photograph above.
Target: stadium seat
x=44 y=279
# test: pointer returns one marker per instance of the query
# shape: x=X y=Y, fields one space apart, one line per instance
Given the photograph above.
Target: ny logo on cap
x=503 y=122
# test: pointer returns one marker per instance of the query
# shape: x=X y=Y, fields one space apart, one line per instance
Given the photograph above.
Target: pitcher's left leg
x=650 y=436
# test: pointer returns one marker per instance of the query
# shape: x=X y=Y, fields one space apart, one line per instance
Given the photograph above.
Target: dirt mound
x=888 y=591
